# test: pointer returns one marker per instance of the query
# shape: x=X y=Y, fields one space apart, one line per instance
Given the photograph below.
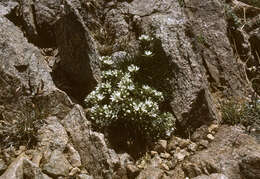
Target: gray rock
x=223 y=155
x=170 y=29
x=77 y=48
x=7 y=6
x=74 y=171
x=132 y=170
x=52 y=135
x=165 y=155
x=181 y=155
x=193 y=66
x=22 y=167
x=250 y=165
x=73 y=156
x=30 y=170
x=84 y=176
x=192 y=147
x=3 y=166
x=152 y=173
x=93 y=151
x=210 y=137
x=57 y=165
x=15 y=170
x=212 y=176
x=161 y=146
x=26 y=86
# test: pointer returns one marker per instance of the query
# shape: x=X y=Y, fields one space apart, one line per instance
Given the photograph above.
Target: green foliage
x=182 y=3
x=200 y=38
x=245 y=113
x=232 y=17
x=120 y=103
x=21 y=130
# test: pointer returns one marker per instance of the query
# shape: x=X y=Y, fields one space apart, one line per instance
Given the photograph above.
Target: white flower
x=116 y=96
x=108 y=73
x=148 y=53
x=146 y=87
x=105 y=107
x=106 y=60
x=145 y=38
x=100 y=97
x=133 y=68
x=136 y=107
x=131 y=87
x=149 y=103
x=154 y=115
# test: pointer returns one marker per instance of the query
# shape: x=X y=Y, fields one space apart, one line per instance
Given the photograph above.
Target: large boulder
x=232 y=153
x=95 y=156
x=27 y=92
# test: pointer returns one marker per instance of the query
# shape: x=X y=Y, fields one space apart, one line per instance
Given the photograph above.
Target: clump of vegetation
x=19 y=125
x=119 y=104
x=23 y=129
x=232 y=18
x=201 y=39
x=241 y=112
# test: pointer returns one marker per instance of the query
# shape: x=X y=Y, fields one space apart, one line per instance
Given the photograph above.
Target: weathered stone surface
x=30 y=170
x=15 y=170
x=170 y=28
x=77 y=48
x=93 y=151
x=178 y=30
x=223 y=155
x=212 y=176
x=132 y=170
x=153 y=173
x=191 y=46
x=21 y=168
x=6 y=7
x=74 y=171
x=52 y=135
x=26 y=86
x=57 y=165
x=160 y=146
x=73 y=156
x=84 y=176
x=3 y=166
x=250 y=165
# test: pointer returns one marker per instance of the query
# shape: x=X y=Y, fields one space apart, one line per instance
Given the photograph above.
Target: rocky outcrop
x=197 y=56
x=26 y=84
x=223 y=154
x=230 y=154
x=63 y=136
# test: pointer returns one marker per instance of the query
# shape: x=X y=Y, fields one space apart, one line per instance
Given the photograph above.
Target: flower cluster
x=145 y=43
x=118 y=100
x=145 y=38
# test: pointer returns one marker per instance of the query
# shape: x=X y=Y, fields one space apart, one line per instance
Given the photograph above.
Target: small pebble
x=210 y=137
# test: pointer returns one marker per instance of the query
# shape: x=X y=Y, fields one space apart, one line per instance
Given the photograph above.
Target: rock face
x=223 y=155
x=231 y=154
x=193 y=46
x=197 y=56
x=26 y=87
